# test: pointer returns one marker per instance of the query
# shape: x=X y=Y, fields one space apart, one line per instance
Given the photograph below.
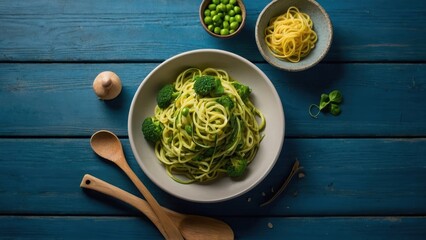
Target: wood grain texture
x=131 y=31
x=343 y=177
x=364 y=171
x=374 y=228
x=58 y=99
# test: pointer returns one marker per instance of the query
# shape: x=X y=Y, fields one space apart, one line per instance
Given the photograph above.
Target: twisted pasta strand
x=218 y=133
x=290 y=36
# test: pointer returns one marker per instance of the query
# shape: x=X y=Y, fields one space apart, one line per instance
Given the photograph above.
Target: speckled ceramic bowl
x=203 y=7
x=264 y=97
x=322 y=26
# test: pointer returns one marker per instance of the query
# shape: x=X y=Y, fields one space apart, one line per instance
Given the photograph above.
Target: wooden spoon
x=107 y=145
x=191 y=226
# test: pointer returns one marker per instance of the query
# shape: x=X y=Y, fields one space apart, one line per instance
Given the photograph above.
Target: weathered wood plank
x=342 y=177
x=357 y=185
x=130 y=31
x=28 y=227
x=58 y=100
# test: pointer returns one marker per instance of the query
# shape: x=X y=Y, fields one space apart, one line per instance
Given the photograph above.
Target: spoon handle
x=169 y=226
x=93 y=183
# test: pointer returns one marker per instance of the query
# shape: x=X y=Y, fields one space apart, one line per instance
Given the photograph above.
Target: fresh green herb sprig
x=328 y=103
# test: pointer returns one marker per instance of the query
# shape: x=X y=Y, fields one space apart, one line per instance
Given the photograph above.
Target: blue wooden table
x=364 y=171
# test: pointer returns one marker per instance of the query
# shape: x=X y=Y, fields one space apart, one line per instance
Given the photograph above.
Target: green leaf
x=324 y=101
x=328 y=103
x=324 y=98
x=324 y=106
x=336 y=96
x=335 y=109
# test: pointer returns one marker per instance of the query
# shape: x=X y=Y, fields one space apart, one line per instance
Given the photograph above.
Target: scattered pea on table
x=223 y=17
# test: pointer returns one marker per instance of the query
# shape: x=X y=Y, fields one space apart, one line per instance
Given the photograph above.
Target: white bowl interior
x=264 y=96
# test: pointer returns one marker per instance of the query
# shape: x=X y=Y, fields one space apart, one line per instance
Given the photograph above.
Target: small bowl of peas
x=222 y=18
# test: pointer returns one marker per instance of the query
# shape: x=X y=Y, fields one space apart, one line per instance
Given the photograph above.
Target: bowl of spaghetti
x=293 y=35
x=221 y=111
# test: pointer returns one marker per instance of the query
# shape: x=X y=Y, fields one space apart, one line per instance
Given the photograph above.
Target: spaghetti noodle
x=201 y=135
x=290 y=36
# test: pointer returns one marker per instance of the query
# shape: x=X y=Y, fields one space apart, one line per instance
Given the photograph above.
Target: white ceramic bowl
x=264 y=96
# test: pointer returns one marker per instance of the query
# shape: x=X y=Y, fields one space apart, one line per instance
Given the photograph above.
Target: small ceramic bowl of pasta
x=293 y=35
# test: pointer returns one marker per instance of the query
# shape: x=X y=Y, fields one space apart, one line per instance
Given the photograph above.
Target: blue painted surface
x=365 y=171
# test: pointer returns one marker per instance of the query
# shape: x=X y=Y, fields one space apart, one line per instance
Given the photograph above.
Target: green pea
x=225 y=25
x=237 y=9
x=232 y=19
x=226 y=18
x=234 y=25
x=231 y=12
x=212 y=13
x=238 y=18
x=231 y=31
x=207 y=12
x=208 y=20
x=224 y=31
x=233 y=2
x=223 y=7
x=225 y=1
x=229 y=7
x=216 y=30
x=220 y=15
x=216 y=18
x=210 y=27
x=185 y=111
x=216 y=1
x=188 y=129
x=212 y=6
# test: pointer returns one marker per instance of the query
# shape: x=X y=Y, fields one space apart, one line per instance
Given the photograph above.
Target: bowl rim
x=303 y=67
x=203 y=6
x=252 y=184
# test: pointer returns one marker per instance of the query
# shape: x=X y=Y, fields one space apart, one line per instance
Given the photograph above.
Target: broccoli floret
x=243 y=90
x=152 y=129
x=208 y=85
x=226 y=101
x=166 y=95
x=237 y=167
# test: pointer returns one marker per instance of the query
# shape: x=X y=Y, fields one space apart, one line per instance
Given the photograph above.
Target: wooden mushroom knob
x=107 y=85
